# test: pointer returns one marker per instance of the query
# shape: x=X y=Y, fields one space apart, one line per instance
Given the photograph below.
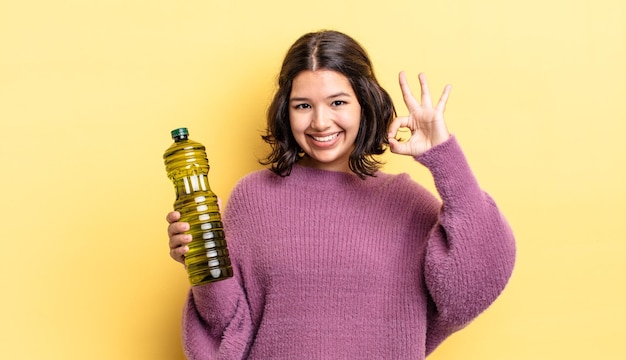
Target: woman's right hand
x=178 y=238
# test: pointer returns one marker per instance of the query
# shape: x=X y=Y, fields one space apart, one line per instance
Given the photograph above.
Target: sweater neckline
x=327 y=179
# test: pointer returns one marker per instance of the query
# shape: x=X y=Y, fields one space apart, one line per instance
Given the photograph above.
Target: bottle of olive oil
x=187 y=166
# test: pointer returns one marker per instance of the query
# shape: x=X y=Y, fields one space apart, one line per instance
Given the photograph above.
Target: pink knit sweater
x=329 y=266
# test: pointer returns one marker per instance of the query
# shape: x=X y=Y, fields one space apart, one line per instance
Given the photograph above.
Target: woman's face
x=324 y=115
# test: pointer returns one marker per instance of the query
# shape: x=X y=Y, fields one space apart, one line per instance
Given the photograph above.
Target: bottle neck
x=180 y=138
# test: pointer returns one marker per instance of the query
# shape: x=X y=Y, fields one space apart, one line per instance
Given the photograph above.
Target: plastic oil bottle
x=187 y=166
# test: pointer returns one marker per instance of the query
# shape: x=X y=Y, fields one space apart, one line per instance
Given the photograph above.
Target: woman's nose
x=321 y=120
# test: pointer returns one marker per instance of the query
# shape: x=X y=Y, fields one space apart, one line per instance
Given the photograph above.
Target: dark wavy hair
x=330 y=50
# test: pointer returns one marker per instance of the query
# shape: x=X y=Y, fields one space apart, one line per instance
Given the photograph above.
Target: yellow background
x=89 y=91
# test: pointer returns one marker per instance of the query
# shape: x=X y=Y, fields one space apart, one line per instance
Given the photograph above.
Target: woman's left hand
x=426 y=123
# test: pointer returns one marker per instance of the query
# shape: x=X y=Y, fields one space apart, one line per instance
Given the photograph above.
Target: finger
x=178 y=253
x=443 y=100
x=426 y=100
x=172 y=217
x=179 y=240
x=398 y=147
x=407 y=94
x=177 y=228
x=179 y=246
x=396 y=124
x=393 y=145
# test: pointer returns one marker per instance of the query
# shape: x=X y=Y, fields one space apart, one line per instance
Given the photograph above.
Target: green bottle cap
x=179 y=132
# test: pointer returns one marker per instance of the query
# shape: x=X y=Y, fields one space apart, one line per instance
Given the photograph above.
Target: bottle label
x=195 y=183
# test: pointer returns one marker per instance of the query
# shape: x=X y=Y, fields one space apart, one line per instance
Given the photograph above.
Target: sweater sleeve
x=471 y=249
x=216 y=316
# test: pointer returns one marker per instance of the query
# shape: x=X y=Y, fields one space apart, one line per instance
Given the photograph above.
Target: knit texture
x=330 y=266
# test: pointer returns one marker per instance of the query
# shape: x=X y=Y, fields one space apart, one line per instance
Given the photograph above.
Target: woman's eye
x=302 y=106
x=338 y=102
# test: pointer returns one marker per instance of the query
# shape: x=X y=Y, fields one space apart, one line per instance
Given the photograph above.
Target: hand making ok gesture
x=426 y=123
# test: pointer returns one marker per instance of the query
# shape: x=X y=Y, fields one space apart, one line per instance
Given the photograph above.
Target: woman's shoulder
x=255 y=178
x=402 y=185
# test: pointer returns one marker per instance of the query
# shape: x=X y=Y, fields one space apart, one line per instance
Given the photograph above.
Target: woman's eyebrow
x=339 y=94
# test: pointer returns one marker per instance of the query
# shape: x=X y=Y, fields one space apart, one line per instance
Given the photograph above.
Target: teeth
x=326 y=138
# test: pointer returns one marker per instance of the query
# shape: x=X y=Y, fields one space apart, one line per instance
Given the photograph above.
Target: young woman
x=332 y=258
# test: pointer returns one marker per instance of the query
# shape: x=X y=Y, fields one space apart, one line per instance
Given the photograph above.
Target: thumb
x=395 y=146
